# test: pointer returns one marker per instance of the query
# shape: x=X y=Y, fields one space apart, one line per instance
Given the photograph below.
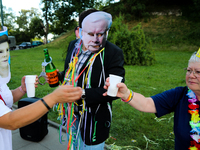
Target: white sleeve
x=3 y=108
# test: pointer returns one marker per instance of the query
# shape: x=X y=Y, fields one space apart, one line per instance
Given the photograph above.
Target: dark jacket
x=113 y=64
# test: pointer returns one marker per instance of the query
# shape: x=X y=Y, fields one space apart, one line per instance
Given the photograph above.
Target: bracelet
x=47 y=106
x=129 y=98
x=20 y=88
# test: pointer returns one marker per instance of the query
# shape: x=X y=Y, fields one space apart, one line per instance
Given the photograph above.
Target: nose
x=192 y=74
x=96 y=39
x=5 y=54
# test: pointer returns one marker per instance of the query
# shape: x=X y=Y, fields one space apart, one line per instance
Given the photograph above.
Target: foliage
x=191 y=13
x=136 y=48
x=24 y=33
x=9 y=19
x=47 y=14
x=131 y=9
x=65 y=13
x=36 y=28
x=100 y=4
x=191 y=10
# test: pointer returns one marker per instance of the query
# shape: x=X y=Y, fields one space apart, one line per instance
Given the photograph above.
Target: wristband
x=129 y=98
x=47 y=106
x=21 y=90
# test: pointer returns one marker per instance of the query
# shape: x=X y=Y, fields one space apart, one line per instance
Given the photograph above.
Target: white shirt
x=5 y=135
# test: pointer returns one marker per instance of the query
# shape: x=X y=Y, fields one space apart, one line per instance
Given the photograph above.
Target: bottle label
x=53 y=77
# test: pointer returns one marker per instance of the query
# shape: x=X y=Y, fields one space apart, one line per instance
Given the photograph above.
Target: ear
x=77 y=32
x=107 y=34
x=80 y=33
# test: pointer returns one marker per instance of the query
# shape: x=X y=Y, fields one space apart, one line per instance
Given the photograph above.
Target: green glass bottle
x=50 y=70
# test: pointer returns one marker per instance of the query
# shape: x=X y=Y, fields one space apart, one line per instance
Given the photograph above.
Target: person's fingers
x=105 y=87
x=119 y=85
x=107 y=84
x=73 y=93
x=107 y=79
x=105 y=94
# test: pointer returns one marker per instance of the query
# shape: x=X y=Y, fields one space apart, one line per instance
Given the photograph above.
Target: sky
x=17 y=5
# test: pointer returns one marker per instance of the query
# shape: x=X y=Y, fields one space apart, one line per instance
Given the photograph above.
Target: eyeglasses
x=196 y=73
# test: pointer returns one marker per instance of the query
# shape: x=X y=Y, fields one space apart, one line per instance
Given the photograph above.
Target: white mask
x=4 y=57
x=95 y=29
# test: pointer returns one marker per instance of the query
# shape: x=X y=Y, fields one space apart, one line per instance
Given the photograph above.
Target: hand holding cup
x=112 y=89
x=30 y=85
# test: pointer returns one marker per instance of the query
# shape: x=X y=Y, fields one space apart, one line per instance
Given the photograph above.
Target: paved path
x=50 y=141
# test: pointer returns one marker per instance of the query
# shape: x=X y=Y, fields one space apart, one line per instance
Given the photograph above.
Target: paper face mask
x=95 y=29
x=4 y=57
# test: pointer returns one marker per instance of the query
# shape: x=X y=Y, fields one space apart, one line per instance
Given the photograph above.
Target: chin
x=4 y=65
x=194 y=88
x=94 y=50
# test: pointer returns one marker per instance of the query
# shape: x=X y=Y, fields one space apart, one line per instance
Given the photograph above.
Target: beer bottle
x=50 y=70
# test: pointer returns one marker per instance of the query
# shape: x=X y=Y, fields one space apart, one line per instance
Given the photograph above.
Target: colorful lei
x=195 y=121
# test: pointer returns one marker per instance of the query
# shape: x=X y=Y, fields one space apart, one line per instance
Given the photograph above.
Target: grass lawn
x=130 y=128
x=133 y=129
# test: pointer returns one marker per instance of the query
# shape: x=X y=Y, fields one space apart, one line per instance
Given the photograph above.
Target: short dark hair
x=76 y=28
x=84 y=14
x=3 y=38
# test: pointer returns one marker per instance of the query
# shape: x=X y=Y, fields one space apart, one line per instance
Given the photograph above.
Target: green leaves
x=136 y=48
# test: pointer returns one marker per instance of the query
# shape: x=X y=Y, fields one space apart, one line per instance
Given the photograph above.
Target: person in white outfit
x=11 y=120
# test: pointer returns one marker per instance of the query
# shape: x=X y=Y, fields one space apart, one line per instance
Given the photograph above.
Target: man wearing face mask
x=93 y=58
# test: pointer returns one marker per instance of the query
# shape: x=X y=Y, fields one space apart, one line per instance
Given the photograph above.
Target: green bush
x=136 y=48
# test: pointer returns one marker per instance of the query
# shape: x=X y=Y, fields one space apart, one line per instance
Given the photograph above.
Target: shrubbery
x=136 y=48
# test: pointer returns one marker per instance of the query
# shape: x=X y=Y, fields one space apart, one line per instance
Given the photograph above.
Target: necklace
x=195 y=121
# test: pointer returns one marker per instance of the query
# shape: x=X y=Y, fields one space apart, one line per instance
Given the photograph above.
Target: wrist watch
x=83 y=94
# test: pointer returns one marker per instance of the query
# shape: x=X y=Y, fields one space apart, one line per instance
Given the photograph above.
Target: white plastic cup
x=112 y=89
x=30 y=85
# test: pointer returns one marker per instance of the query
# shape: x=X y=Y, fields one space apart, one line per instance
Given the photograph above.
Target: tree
x=23 y=32
x=100 y=4
x=62 y=14
x=47 y=14
x=22 y=20
x=9 y=19
x=36 y=29
x=63 y=19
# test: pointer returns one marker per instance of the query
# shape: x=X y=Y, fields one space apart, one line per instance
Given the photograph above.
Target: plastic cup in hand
x=30 y=85
x=112 y=89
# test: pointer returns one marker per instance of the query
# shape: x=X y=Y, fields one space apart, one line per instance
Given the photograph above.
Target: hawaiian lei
x=195 y=121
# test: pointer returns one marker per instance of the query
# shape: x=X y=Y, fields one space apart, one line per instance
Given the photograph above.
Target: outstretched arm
x=30 y=113
x=138 y=101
